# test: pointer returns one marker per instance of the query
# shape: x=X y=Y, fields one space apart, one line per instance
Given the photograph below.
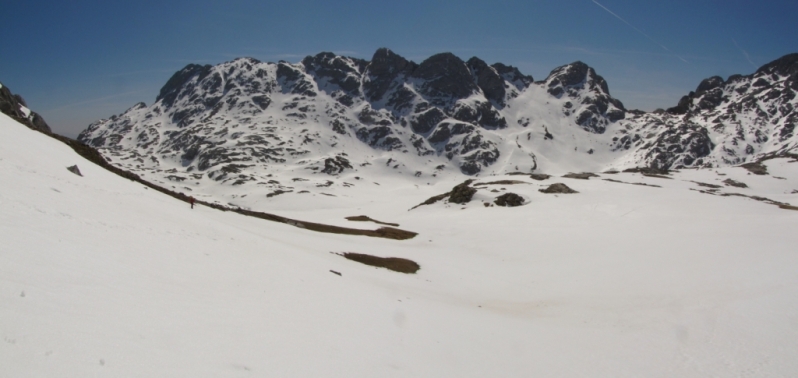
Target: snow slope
x=102 y=277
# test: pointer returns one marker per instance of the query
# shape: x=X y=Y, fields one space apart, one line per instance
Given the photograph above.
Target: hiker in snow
x=191 y=201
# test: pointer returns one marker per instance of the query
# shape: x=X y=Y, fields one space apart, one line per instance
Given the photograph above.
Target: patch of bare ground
x=781 y=205
x=713 y=186
x=632 y=183
x=647 y=171
x=502 y=182
x=657 y=176
x=736 y=184
x=460 y=194
x=396 y=264
x=433 y=199
x=539 y=176
x=558 y=188
x=363 y=218
x=756 y=168
x=580 y=176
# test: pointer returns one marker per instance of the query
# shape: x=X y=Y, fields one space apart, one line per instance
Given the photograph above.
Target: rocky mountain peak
x=513 y=76
x=710 y=83
x=445 y=76
x=488 y=79
x=581 y=83
x=385 y=66
x=785 y=66
x=342 y=73
x=576 y=74
x=179 y=80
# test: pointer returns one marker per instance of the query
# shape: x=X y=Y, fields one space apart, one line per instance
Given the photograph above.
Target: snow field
x=102 y=277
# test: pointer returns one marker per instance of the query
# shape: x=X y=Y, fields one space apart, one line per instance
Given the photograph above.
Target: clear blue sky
x=78 y=61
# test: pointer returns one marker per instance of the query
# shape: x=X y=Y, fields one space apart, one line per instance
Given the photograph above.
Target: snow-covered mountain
x=244 y=121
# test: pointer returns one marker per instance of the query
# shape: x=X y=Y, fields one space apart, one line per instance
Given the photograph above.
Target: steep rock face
x=15 y=107
x=743 y=116
x=593 y=105
x=240 y=121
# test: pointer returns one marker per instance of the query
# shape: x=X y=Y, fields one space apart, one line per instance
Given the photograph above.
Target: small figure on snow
x=191 y=201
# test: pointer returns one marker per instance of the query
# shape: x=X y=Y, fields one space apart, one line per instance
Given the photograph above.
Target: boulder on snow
x=74 y=169
x=558 y=188
x=462 y=193
x=509 y=200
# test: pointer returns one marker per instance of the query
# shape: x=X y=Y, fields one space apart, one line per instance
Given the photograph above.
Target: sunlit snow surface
x=102 y=277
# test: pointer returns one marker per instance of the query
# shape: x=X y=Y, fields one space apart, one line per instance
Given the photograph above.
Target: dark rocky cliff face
x=14 y=106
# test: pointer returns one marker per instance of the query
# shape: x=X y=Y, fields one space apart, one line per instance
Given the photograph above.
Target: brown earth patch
x=502 y=182
x=632 y=183
x=363 y=218
x=713 y=186
x=647 y=170
x=756 y=168
x=736 y=184
x=393 y=263
x=580 y=176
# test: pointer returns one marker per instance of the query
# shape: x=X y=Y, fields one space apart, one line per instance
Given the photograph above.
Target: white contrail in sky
x=744 y=53
x=638 y=30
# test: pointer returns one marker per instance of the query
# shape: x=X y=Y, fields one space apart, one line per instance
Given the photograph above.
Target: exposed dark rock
x=380 y=73
x=336 y=165
x=363 y=218
x=558 y=188
x=462 y=193
x=710 y=83
x=581 y=176
x=488 y=79
x=539 y=176
x=647 y=170
x=10 y=105
x=445 y=76
x=679 y=147
x=74 y=169
x=509 y=200
x=734 y=183
x=513 y=76
x=178 y=82
x=392 y=263
x=424 y=122
x=713 y=186
x=756 y=168
x=339 y=71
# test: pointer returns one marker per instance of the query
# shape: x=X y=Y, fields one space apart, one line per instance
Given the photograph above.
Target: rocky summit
x=243 y=121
